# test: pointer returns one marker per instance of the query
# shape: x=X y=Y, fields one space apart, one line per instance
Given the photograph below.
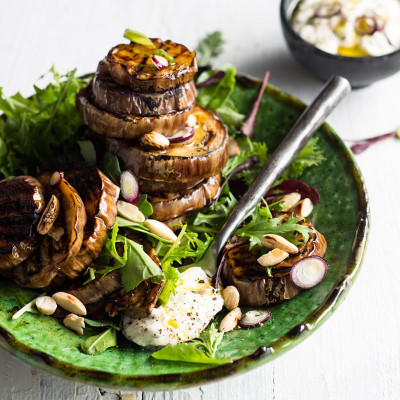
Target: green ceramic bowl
x=342 y=216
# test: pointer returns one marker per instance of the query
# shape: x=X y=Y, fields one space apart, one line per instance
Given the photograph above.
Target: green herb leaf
x=144 y=205
x=209 y=47
x=87 y=151
x=172 y=281
x=138 y=266
x=187 y=352
x=214 y=97
x=261 y=224
x=111 y=167
x=42 y=128
x=210 y=338
x=99 y=343
x=139 y=38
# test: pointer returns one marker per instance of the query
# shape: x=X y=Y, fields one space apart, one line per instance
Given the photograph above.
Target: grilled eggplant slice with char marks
x=204 y=157
x=126 y=126
x=22 y=200
x=130 y=65
x=54 y=254
x=111 y=97
x=256 y=288
x=99 y=196
x=172 y=205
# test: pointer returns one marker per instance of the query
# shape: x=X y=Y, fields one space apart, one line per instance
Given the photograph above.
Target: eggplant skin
x=172 y=205
x=99 y=196
x=126 y=126
x=130 y=65
x=205 y=157
x=149 y=186
x=111 y=97
x=22 y=201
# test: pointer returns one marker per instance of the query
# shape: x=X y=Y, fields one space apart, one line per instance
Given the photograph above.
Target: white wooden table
x=356 y=354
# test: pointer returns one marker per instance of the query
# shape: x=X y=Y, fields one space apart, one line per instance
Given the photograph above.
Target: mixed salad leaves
x=46 y=129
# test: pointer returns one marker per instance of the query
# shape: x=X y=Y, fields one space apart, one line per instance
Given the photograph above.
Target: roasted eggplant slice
x=100 y=197
x=111 y=97
x=148 y=186
x=22 y=200
x=131 y=65
x=256 y=288
x=56 y=249
x=205 y=156
x=172 y=205
x=126 y=126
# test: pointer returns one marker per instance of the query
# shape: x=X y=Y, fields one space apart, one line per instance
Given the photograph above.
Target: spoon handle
x=301 y=132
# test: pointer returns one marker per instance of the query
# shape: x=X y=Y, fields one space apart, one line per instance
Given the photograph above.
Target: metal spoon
x=309 y=121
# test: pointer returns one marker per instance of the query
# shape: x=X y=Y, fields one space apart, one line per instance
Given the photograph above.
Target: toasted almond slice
x=74 y=323
x=278 y=242
x=303 y=208
x=192 y=121
x=70 y=303
x=290 y=200
x=46 y=305
x=160 y=229
x=49 y=216
x=234 y=149
x=130 y=211
x=230 y=320
x=231 y=297
x=154 y=141
x=273 y=257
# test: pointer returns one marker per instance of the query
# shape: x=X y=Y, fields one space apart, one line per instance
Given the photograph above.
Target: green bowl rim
x=263 y=354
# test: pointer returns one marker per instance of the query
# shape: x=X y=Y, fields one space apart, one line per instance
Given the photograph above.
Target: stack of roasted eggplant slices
x=141 y=107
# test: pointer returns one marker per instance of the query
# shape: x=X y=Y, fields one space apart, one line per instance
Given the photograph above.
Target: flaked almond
x=231 y=297
x=191 y=121
x=273 y=257
x=49 y=216
x=154 y=141
x=230 y=320
x=46 y=305
x=130 y=211
x=206 y=291
x=303 y=208
x=74 y=323
x=70 y=303
x=289 y=200
x=160 y=229
x=272 y=241
x=234 y=149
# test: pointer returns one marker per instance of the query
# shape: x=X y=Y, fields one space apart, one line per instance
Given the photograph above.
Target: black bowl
x=360 y=71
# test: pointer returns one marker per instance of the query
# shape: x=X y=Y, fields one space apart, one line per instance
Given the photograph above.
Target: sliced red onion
x=308 y=272
x=254 y=318
x=183 y=135
x=129 y=187
x=366 y=25
x=293 y=185
x=212 y=80
x=160 y=62
x=328 y=10
x=361 y=145
x=55 y=178
x=248 y=125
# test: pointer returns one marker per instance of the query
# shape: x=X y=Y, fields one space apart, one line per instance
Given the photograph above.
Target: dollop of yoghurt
x=352 y=28
x=186 y=315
